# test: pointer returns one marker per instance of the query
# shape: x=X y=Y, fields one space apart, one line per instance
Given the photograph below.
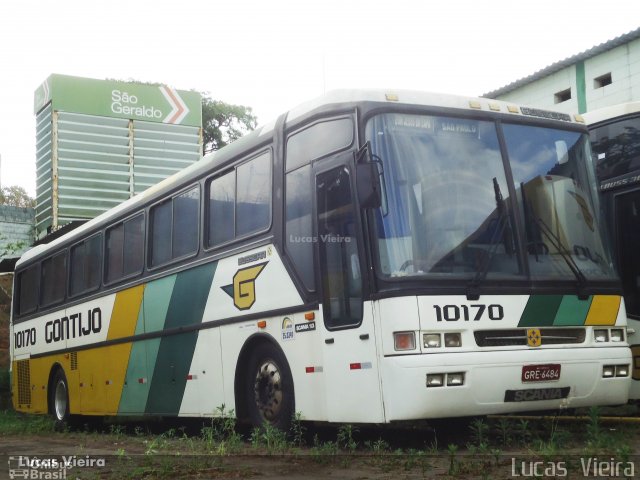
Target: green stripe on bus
x=188 y=300
x=572 y=311
x=540 y=310
x=157 y=296
x=142 y=360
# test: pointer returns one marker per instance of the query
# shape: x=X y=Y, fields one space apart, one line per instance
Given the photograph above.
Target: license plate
x=541 y=373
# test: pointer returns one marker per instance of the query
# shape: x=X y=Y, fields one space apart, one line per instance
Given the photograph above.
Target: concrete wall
x=623 y=63
x=16 y=225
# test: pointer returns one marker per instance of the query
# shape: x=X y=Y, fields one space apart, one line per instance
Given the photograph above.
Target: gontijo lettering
x=73 y=326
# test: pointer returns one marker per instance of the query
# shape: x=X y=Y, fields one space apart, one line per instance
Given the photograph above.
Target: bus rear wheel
x=269 y=388
x=59 y=399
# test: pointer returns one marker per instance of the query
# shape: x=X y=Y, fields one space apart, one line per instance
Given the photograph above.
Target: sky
x=272 y=55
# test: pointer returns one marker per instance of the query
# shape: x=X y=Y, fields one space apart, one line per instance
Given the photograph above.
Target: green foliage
x=452 y=449
x=345 y=437
x=16 y=196
x=479 y=432
x=297 y=430
x=222 y=123
x=269 y=437
x=12 y=423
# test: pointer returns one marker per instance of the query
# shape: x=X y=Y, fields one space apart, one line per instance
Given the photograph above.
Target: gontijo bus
x=368 y=257
x=615 y=141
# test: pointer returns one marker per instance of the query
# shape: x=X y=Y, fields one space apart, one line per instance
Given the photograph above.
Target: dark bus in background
x=615 y=141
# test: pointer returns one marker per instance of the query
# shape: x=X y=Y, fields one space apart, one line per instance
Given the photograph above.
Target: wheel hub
x=267 y=389
x=60 y=400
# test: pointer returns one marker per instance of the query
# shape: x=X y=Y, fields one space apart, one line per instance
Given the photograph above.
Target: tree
x=222 y=123
x=16 y=196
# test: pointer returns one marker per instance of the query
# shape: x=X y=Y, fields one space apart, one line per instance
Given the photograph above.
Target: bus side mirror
x=368 y=185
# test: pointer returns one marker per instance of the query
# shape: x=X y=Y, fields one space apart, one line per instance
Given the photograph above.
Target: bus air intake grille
x=74 y=360
x=518 y=337
x=24 y=382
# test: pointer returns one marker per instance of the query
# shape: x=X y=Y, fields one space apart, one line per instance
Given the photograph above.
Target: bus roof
x=613 y=111
x=258 y=136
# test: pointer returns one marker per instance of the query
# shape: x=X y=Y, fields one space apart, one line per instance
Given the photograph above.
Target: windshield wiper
x=557 y=244
x=571 y=263
x=473 y=292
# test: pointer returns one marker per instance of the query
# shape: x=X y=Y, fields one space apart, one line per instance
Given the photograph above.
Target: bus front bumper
x=493 y=382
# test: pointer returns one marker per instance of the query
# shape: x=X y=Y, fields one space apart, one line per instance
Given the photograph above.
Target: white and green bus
x=615 y=141
x=369 y=257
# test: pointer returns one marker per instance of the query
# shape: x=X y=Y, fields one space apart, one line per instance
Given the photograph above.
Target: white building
x=607 y=74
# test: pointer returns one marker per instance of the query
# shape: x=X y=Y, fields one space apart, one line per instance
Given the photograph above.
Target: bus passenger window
x=85 y=265
x=186 y=208
x=54 y=279
x=28 y=283
x=253 y=200
x=240 y=201
x=133 y=256
x=160 y=232
x=222 y=194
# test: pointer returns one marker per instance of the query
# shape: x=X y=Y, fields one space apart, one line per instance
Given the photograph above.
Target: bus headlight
x=404 y=341
x=608 y=371
x=622 y=370
x=452 y=340
x=431 y=340
x=617 y=335
x=601 y=335
x=455 y=379
x=435 y=379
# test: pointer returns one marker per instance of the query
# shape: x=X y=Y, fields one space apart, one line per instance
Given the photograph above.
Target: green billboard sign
x=108 y=98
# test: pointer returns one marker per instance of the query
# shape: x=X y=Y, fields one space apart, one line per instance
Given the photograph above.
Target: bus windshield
x=447 y=210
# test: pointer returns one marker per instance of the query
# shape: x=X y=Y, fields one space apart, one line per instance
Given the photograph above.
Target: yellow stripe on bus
x=103 y=370
x=604 y=310
x=125 y=313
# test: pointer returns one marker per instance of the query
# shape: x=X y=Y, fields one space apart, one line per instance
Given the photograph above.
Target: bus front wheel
x=269 y=388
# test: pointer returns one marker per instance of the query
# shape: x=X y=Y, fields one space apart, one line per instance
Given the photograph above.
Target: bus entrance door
x=350 y=360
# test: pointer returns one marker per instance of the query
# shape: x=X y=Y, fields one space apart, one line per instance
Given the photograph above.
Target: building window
x=602 y=81
x=562 y=96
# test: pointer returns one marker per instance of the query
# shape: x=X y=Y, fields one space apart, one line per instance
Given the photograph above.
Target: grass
x=13 y=423
x=483 y=452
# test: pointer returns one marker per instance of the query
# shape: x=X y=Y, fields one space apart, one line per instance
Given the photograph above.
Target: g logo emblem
x=243 y=288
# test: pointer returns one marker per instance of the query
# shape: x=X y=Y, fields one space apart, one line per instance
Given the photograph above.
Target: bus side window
x=85 y=264
x=338 y=247
x=54 y=279
x=28 y=289
x=299 y=233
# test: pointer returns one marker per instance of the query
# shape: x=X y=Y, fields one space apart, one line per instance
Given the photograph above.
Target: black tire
x=268 y=389
x=59 y=400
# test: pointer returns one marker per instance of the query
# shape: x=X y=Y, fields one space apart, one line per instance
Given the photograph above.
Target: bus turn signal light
x=404 y=341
